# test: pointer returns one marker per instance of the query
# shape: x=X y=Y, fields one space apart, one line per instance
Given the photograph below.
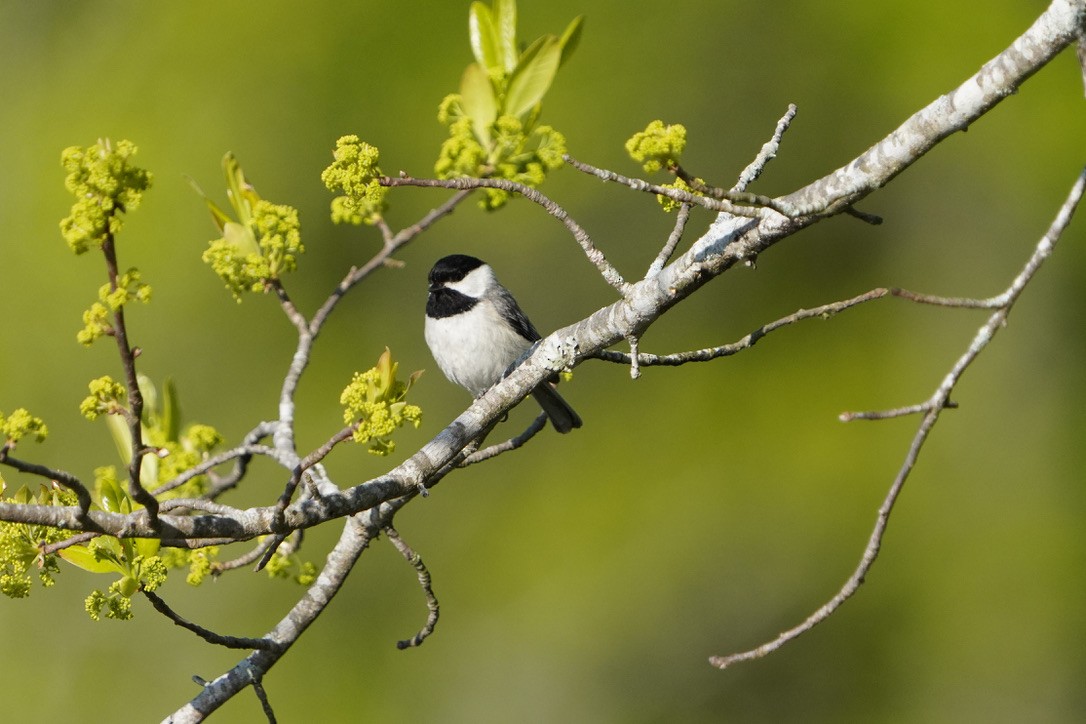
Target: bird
x=476 y=330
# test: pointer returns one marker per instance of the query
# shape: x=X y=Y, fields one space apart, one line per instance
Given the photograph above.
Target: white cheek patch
x=475 y=283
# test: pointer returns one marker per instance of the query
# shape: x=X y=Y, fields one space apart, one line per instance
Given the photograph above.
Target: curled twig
x=432 y=605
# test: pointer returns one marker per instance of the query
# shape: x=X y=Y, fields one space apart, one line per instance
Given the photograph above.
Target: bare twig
x=746 y=342
x=933 y=407
x=635 y=356
x=768 y=152
x=262 y=696
x=737 y=203
x=243 y=560
x=309 y=461
x=134 y=413
x=51 y=548
x=511 y=444
x=243 y=454
x=681 y=217
x=890 y=414
x=65 y=478
x=609 y=273
x=296 y=317
x=230 y=642
x=424 y=581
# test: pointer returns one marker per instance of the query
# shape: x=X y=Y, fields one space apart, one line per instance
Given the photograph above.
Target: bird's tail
x=558 y=410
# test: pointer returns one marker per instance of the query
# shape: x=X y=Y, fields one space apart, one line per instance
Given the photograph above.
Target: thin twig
x=934 y=407
x=220 y=485
x=890 y=414
x=511 y=444
x=635 y=356
x=230 y=642
x=402 y=238
x=63 y=477
x=432 y=605
x=824 y=311
x=681 y=217
x=737 y=203
x=134 y=413
x=749 y=340
x=258 y=689
x=296 y=317
x=79 y=539
x=309 y=461
x=609 y=273
x=747 y=177
x=768 y=152
x=243 y=454
x=243 y=560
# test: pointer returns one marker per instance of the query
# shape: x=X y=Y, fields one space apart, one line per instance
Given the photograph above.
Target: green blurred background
x=700 y=510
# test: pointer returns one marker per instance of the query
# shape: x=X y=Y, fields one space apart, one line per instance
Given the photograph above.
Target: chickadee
x=476 y=330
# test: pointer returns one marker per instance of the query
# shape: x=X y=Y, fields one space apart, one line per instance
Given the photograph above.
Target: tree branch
x=932 y=409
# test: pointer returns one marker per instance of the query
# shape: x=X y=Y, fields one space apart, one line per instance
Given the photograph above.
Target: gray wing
x=508 y=308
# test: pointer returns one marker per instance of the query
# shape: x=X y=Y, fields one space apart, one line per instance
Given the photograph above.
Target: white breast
x=473 y=349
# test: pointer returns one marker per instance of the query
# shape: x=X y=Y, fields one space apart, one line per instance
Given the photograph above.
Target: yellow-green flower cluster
x=177 y=456
x=143 y=573
x=104 y=183
x=106 y=397
x=461 y=153
x=20 y=543
x=658 y=146
x=19 y=424
x=111 y=298
x=246 y=258
x=513 y=151
x=669 y=204
x=291 y=567
x=355 y=172
x=135 y=559
x=201 y=562
x=375 y=402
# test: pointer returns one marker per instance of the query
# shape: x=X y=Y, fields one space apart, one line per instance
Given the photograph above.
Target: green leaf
x=171 y=411
x=83 y=557
x=147 y=547
x=150 y=397
x=478 y=101
x=533 y=75
x=484 y=38
x=112 y=498
x=570 y=38
x=122 y=436
x=128 y=586
x=148 y=467
x=217 y=215
x=505 y=25
x=240 y=236
x=242 y=196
